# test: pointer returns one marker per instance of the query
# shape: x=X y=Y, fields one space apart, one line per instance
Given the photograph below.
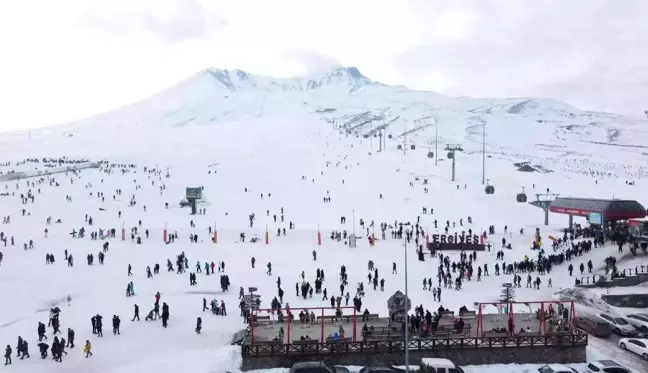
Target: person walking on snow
x=87 y=349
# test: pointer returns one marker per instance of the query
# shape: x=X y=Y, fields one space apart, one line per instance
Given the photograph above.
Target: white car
x=440 y=365
x=619 y=324
x=639 y=321
x=606 y=366
x=637 y=345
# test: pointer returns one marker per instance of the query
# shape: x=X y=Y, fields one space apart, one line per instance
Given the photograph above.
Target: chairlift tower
x=544 y=201
x=192 y=195
x=452 y=149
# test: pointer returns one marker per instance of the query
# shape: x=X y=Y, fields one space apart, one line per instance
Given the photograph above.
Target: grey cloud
x=311 y=60
x=191 y=21
x=539 y=48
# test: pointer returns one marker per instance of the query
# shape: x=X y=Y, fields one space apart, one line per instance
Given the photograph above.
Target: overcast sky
x=65 y=59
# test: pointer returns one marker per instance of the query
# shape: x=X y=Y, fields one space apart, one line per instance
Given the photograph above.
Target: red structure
x=288 y=320
x=509 y=312
x=610 y=209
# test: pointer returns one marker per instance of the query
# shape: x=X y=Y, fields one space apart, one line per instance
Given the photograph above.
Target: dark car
x=594 y=326
x=310 y=367
x=376 y=370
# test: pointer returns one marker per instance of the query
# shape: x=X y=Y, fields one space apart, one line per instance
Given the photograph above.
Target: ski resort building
x=598 y=211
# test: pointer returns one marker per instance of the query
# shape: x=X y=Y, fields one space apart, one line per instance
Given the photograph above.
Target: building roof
x=611 y=209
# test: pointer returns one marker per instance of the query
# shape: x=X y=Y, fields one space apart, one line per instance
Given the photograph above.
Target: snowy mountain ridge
x=238 y=80
x=546 y=131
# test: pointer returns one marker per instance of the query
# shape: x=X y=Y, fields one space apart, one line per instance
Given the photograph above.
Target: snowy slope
x=265 y=135
x=543 y=131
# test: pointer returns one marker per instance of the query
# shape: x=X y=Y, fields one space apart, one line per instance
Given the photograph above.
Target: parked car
x=594 y=326
x=375 y=370
x=439 y=365
x=556 y=368
x=606 y=366
x=619 y=325
x=310 y=367
x=639 y=321
x=637 y=345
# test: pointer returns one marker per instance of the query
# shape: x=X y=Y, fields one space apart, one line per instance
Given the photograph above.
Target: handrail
x=317 y=348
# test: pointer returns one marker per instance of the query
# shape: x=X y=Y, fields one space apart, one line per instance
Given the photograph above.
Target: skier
x=198 y=325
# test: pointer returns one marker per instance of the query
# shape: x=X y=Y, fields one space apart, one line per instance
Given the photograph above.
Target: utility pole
x=452 y=148
x=384 y=140
x=405 y=139
x=483 y=152
x=406 y=315
x=436 y=140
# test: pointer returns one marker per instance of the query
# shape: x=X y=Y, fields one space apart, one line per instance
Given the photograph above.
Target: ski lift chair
x=413 y=147
x=489 y=189
x=430 y=155
x=521 y=197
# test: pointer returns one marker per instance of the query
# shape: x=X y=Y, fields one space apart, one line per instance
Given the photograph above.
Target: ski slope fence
x=47 y=171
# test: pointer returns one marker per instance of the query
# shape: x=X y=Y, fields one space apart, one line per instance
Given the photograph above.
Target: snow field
x=265 y=160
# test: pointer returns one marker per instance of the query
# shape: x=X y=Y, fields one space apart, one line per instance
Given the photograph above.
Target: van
x=594 y=326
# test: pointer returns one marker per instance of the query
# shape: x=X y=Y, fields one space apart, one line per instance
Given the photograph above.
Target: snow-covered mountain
x=528 y=129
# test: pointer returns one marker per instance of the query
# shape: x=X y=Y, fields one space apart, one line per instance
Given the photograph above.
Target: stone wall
x=627 y=300
x=463 y=356
x=619 y=281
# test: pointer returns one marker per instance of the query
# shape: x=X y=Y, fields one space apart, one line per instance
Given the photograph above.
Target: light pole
x=436 y=141
x=406 y=315
x=483 y=152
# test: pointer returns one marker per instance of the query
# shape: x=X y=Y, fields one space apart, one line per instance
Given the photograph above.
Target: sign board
x=462 y=246
x=595 y=218
x=194 y=193
x=251 y=289
x=456 y=242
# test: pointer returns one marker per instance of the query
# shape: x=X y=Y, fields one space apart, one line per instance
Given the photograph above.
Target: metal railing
x=316 y=348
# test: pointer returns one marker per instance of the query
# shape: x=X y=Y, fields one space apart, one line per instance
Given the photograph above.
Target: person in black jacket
x=115 y=323
x=165 y=314
x=41 y=331
x=198 y=325
x=70 y=340
x=19 y=346
x=99 y=325
x=136 y=315
x=24 y=350
x=8 y=355
x=43 y=347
